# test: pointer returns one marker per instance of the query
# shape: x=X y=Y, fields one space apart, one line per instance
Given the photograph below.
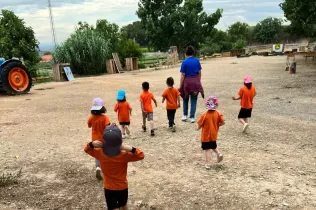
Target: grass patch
x=7 y=179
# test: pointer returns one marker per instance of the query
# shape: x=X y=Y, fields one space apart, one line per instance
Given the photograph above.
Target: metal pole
x=52 y=23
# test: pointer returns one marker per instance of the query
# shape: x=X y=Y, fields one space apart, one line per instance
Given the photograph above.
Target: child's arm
x=199 y=127
x=116 y=108
x=221 y=124
x=142 y=106
x=90 y=122
x=89 y=149
x=155 y=102
x=163 y=100
x=236 y=98
x=133 y=154
x=130 y=112
x=179 y=103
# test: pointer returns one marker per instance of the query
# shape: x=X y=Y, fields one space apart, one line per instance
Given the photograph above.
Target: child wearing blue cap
x=124 y=110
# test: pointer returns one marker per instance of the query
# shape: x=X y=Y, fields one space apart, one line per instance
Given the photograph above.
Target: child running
x=98 y=121
x=210 y=122
x=246 y=95
x=114 y=158
x=124 y=110
x=145 y=102
x=172 y=95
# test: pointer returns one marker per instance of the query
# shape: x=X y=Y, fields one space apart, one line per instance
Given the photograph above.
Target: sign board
x=68 y=73
x=278 y=48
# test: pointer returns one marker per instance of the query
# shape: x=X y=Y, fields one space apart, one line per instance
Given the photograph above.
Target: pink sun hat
x=247 y=79
x=97 y=104
x=211 y=103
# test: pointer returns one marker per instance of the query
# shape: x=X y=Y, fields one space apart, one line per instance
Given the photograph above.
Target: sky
x=67 y=13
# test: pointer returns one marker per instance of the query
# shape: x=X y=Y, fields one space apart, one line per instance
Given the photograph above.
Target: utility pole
x=52 y=23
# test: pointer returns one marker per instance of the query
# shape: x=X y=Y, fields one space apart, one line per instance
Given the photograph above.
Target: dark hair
x=145 y=86
x=189 y=51
x=170 y=81
x=124 y=99
x=248 y=85
x=99 y=112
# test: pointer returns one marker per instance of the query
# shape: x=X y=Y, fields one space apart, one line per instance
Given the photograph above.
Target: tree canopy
x=302 y=14
x=238 y=31
x=176 y=22
x=268 y=30
x=135 y=32
x=17 y=40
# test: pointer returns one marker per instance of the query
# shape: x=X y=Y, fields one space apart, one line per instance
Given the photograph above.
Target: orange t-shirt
x=146 y=97
x=210 y=122
x=171 y=95
x=123 y=111
x=114 y=168
x=98 y=124
x=247 y=96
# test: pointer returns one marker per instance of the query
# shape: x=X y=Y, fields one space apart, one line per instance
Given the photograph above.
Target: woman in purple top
x=190 y=83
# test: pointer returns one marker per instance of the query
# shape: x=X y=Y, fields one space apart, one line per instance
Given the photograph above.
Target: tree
x=109 y=31
x=218 y=41
x=128 y=48
x=135 y=31
x=302 y=14
x=268 y=30
x=239 y=44
x=238 y=31
x=84 y=25
x=17 y=40
x=174 y=23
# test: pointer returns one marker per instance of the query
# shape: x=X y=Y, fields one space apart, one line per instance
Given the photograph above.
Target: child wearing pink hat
x=246 y=95
x=210 y=122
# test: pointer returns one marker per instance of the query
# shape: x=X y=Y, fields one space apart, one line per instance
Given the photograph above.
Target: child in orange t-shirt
x=172 y=95
x=98 y=121
x=210 y=122
x=124 y=110
x=147 y=109
x=246 y=95
x=114 y=158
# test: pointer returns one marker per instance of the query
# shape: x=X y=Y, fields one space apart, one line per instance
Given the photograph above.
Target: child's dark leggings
x=171 y=114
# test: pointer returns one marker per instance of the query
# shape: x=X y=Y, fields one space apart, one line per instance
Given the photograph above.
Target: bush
x=86 y=51
x=141 y=66
x=240 y=44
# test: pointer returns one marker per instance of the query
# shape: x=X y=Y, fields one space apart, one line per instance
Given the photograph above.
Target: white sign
x=68 y=73
x=278 y=48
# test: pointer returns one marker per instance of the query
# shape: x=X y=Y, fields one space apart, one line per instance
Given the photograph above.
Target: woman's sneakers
x=98 y=173
x=184 y=118
x=192 y=120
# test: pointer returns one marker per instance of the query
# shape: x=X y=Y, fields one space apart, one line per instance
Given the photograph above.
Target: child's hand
x=126 y=148
x=234 y=98
x=179 y=105
x=97 y=144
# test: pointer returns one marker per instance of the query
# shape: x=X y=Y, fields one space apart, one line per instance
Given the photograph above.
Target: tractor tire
x=15 y=79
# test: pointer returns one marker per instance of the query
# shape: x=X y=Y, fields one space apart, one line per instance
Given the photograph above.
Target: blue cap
x=120 y=95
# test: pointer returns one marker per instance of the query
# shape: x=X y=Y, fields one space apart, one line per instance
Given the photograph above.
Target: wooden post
x=56 y=73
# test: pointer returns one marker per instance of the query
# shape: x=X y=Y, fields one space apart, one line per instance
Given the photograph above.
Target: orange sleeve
x=201 y=120
x=116 y=107
x=240 y=93
x=164 y=94
x=90 y=122
x=178 y=92
x=152 y=96
x=107 y=121
x=255 y=91
x=138 y=155
x=92 y=152
x=141 y=97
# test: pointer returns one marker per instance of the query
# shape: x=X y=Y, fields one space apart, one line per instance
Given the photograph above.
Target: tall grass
x=86 y=51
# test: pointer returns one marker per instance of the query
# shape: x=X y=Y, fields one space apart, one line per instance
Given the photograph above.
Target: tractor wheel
x=16 y=79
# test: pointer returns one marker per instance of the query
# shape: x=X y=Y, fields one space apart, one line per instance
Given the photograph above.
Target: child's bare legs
x=218 y=154
x=207 y=156
x=144 y=122
x=244 y=121
x=152 y=132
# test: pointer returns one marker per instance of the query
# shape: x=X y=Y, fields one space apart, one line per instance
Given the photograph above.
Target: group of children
x=112 y=157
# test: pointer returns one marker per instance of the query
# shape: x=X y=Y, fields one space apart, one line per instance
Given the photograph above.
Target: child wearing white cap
x=210 y=122
x=98 y=122
x=246 y=95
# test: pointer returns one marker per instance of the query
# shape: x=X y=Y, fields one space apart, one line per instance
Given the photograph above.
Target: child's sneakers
x=246 y=125
x=98 y=173
x=173 y=128
x=144 y=128
x=220 y=157
x=123 y=136
x=152 y=132
x=207 y=166
x=184 y=118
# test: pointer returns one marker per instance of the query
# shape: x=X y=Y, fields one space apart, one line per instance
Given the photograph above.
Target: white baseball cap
x=97 y=104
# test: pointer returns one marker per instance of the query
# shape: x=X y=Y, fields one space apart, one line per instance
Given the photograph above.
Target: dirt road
x=273 y=166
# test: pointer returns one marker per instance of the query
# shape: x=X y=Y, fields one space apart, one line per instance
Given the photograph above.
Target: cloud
x=67 y=13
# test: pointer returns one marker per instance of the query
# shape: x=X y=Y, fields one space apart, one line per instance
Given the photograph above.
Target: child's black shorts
x=125 y=123
x=244 y=113
x=209 y=145
x=116 y=198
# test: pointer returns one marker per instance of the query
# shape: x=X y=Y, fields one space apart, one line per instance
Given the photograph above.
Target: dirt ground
x=273 y=166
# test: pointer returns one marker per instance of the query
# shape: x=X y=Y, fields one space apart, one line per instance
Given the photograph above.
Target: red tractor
x=14 y=77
